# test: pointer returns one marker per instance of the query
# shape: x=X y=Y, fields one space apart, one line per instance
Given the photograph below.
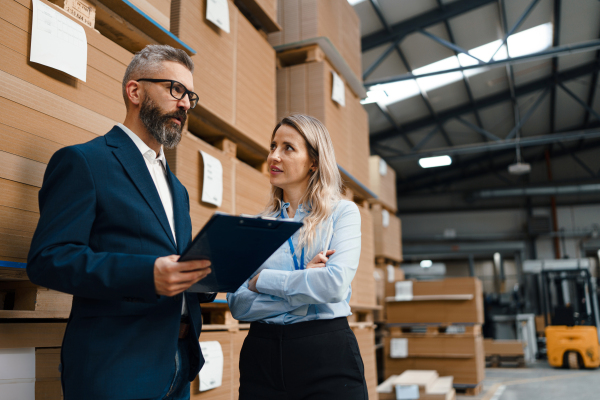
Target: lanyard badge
x=297 y=266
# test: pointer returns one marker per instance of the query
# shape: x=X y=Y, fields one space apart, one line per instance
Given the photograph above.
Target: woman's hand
x=252 y=284
x=320 y=260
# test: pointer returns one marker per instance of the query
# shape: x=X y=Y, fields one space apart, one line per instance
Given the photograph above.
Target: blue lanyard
x=296 y=265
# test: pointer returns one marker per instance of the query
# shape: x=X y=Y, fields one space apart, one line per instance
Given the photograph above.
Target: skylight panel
x=526 y=42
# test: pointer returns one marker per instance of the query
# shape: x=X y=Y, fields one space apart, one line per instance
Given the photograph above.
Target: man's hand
x=172 y=277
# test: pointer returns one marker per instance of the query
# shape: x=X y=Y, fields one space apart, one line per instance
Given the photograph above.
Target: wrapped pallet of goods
x=447 y=301
x=234 y=77
x=64 y=111
x=387 y=229
x=336 y=20
x=363 y=284
x=307 y=89
x=33 y=350
x=452 y=350
x=382 y=181
x=365 y=336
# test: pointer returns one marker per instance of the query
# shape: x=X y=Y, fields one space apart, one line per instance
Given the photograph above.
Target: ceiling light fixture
x=431 y=162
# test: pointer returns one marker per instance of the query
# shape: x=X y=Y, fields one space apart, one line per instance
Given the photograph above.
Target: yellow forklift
x=570 y=307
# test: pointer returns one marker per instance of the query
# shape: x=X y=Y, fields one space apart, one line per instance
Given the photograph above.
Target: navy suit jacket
x=102 y=225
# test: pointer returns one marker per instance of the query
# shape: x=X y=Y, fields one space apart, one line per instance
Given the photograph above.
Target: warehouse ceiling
x=525 y=72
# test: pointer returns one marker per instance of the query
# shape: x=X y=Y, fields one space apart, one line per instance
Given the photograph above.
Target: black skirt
x=315 y=360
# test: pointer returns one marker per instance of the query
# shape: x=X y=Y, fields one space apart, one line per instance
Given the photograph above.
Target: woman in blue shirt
x=300 y=345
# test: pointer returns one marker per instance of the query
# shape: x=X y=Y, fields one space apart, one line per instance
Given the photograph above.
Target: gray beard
x=160 y=126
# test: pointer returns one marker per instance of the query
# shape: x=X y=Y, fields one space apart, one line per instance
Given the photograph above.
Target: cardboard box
x=459 y=355
x=252 y=189
x=448 y=301
x=365 y=336
x=255 y=101
x=391 y=276
x=47 y=334
x=309 y=19
x=225 y=338
x=47 y=374
x=306 y=88
x=387 y=228
x=158 y=10
x=185 y=161
x=382 y=181
x=439 y=388
x=234 y=74
x=363 y=284
x=503 y=347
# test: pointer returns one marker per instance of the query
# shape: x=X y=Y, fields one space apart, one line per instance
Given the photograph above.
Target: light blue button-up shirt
x=287 y=295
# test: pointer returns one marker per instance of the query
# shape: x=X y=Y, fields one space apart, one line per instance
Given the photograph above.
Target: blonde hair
x=324 y=186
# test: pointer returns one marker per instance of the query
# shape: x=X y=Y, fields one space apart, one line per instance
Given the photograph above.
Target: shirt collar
x=146 y=151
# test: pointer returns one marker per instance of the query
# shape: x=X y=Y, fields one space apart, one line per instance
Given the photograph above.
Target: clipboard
x=236 y=247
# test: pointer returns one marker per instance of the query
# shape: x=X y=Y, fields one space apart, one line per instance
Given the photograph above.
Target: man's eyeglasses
x=178 y=91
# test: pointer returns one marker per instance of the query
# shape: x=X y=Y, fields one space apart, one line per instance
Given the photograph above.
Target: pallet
x=506 y=361
x=468 y=390
x=23 y=299
x=379 y=260
x=436 y=329
x=302 y=55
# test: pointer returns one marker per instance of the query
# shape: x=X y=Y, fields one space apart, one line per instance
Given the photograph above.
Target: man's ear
x=134 y=92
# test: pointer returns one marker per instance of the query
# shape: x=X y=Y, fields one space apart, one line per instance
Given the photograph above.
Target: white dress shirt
x=157 y=166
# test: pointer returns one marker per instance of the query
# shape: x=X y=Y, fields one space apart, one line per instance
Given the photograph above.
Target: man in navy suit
x=112 y=220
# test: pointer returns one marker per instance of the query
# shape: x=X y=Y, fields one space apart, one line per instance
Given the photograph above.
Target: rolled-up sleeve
x=321 y=285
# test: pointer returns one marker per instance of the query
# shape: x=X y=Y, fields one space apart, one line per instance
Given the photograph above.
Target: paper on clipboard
x=217 y=12
x=212 y=184
x=211 y=374
x=57 y=41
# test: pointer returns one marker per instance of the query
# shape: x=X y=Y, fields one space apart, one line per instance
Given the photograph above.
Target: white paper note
x=391 y=273
x=57 y=41
x=217 y=12
x=338 y=94
x=382 y=168
x=399 y=348
x=385 y=218
x=407 y=392
x=404 y=291
x=211 y=374
x=212 y=185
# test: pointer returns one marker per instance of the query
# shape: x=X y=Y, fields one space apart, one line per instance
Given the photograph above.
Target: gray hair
x=148 y=61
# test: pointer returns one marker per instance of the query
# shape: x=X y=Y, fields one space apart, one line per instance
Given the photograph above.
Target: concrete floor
x=538 y=381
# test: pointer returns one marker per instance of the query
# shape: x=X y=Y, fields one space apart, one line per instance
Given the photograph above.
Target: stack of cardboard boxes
x=436 y=325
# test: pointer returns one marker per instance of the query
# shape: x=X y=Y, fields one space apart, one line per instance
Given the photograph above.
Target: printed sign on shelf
x=211 y=374
x=385 y=218
x=399 y=348
x=217 y=12
x=57 y=41
x=404 y=291
x=212 y=185
x=382 y=168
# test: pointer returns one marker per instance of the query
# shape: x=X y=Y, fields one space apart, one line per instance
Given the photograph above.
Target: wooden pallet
x=439 y=329
x=23 y=299
x=379 y=260
x=507 y=361
x=302 y=55
x=469 y=390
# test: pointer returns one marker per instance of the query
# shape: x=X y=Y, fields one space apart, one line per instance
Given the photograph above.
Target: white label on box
x=212 y=185
x=57 y=41
x=382 y=168
x=385 y=218
x=391 y=273
x=338 y=94
x=17 y=363
x=217 y=12
x=17 y=389
x=399 y=348
x=211 y=374
x=404 y=291
x=456 y=329
x=82 y=10
x=407 y=392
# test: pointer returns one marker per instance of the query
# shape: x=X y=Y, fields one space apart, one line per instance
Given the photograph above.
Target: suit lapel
x=180 y=210
x=132 y=160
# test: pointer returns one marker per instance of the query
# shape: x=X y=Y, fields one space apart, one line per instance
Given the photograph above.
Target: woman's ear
x=314 y=166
